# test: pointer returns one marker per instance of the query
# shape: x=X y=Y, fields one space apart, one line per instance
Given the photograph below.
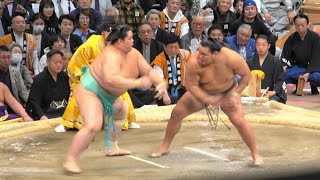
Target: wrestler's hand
x=27 y=118
x=143 y=83
x=166 y=99
x=271 y=93
x=161 y=90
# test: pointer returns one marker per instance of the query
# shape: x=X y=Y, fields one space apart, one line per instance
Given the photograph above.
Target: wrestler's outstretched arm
x=112 y=76
x=14 y=104
x=146 y=70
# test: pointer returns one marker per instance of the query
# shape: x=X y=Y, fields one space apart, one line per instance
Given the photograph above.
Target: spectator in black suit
x=153 y=17
x=11 y=8
x=149 y=48
x=66 y=25
x=50 y=90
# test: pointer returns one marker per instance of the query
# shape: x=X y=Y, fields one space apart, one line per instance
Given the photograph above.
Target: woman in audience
x=46 y=11
x=57 y=42
x=42 y=38
x=16 y=58
x=83 y=21
x=50 y=90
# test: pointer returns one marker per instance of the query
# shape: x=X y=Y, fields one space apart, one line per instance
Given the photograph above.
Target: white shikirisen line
x=206 y=153
x=146 y=161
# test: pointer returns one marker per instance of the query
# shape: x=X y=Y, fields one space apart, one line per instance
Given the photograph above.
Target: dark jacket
x=46 y=94
x=274 y=74
x=7 y=19
x=155 y=48
x=75 y=42
x=161 y=35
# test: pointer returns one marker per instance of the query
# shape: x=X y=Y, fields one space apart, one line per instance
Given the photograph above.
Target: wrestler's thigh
x=90 y=107
x=231 y=105
x=187 y=105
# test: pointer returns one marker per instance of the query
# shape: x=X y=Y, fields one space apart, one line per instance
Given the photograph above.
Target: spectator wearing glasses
x=83 y=21
x=242 y=43
x=191 y=41
x=113 y=13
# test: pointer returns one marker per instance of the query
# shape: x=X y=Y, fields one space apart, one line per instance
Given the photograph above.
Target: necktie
x=68 y=44
x=97 y=5
x=1 y=29
x=60 y=7
x=173 y=70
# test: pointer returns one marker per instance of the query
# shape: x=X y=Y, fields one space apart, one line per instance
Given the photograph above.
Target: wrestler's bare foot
x=117 y=152
x=160 y=152
x=72 y=167
x=257 y=161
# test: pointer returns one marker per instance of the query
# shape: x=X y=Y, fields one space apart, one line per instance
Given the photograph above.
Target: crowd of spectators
x=38 y=38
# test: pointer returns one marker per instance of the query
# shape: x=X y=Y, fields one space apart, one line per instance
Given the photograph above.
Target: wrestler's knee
x=93 y=128
x=122 y=112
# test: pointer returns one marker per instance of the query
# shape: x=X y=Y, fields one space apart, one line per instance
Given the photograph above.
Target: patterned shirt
x=133 y=15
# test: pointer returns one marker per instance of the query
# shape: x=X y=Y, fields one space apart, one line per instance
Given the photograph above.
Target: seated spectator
x=301 y=54
x=16 y=58
x=63 y=7
x=223 y=16
x=281 y=16
x=96 y=15
x=113 y=13
x=6 y=97
x=215 y=32
x=238 y=7
x=46 y=11
x=173 y=20
x=251 y=17
x=191 y=41
x=25 y=40
x=66 y=25
x=57 y=42
x=1 y=25
x=130 y=13
x=242 y=43
x=272 y=67
x=207 y=13
x=82 y=21
x=11 y=8
x=50 y=90
x=67 y=55
x=42 y=38
x=149 y=48
x=11 y=77
x=154 y=18
x=170 y=64
x=101 y=5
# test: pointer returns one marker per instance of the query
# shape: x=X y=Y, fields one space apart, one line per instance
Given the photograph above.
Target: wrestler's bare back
x=218 y=75
x=126 y=65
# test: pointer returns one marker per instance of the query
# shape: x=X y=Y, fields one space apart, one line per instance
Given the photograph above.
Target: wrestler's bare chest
x=129 y=68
